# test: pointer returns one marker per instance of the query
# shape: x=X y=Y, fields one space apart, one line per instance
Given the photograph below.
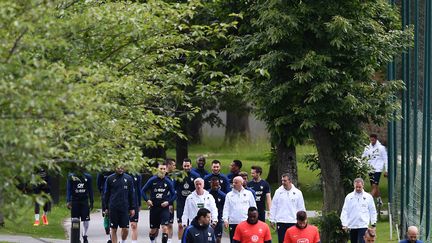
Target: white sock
x=169 y=241
x=86 y=226
x=123 y=241
x=152 y=241
x=37 y=217
x=134 y=241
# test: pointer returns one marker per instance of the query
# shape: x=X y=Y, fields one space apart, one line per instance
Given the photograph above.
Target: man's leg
x=179 y=210
x=218 y=231
x=124 y=234
x=114 y=235
x=134 y=231
x=153 y=234
x=232 y=228
x=164 y=233
x=360 y=234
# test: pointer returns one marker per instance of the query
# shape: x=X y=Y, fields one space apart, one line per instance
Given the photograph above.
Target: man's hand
x=273 y=225
x=226 y=224
x=385 y=174
x=132 y=212
x=164 y=204
x=344 y=228
x=171 y=208
x=69 y=205
x=149 y=203
x=105 y=213
x=91 y=206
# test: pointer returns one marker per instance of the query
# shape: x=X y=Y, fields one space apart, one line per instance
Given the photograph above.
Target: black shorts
x=80 y=210
x=135 y=218
x=179 y=210
x=374 y=177
x=218 y=230
x=159 y=216
x=119 y=218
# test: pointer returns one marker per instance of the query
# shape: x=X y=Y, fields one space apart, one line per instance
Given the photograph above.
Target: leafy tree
x=318 y=62
x=92 y=82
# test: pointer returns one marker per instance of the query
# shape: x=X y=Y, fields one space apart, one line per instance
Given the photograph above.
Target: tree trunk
x=286 y=160
x=1 y=213
x=195 y=129
x=333 y=187
x=237 y=126
x=182 y=145
x=273 y=176
x=55 y=189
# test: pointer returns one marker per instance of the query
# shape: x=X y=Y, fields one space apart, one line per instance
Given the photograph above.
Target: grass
x=23 y=224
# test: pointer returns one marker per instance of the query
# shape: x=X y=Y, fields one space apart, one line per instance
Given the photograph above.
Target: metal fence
x=410 y=137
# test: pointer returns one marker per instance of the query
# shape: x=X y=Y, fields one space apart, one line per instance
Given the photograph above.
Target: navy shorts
x=159 y=216
x=218 y=229
x=375 y=177
x=179 y=210
x=80 y=210
x=135 y=218
x=119 y=218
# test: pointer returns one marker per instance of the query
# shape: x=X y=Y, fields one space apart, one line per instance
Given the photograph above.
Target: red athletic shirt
x=309 y=234
x=252 y=233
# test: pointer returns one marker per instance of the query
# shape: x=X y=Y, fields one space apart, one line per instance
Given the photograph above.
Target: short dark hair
x=238 y=163
x=216 y=161
x=187 y=160
x=252 y=209
x=169 y=161
x=301 y=215
x=202 y=212
x=257 y=169
x=287 y=175
x=373 y=135
x=214 y=178
x=243 y=173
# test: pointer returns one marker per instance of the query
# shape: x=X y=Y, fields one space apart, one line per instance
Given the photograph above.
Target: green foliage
x=94 y=82
x=330 y=222
x=352 y=167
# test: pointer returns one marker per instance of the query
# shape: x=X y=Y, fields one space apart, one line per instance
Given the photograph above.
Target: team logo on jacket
x=125 y=180
x=261 y=187
x=303 y=240
x=186 y=186
x=254 y=238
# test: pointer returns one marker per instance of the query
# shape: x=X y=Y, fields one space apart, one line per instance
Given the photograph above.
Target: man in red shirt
x=252 y=230
x=302 y=232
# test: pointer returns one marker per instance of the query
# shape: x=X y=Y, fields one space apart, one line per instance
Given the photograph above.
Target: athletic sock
x=153 y=241
x=134 y=241
x=86 y=226
x=123 y=241
x=37 y=216
x=164 y=238
x=169 y=240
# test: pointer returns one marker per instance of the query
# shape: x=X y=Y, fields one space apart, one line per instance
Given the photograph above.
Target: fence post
x=75 y=230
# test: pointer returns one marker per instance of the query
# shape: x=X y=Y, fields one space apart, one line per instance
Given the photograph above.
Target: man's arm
x=90 y=190
x=107 y=193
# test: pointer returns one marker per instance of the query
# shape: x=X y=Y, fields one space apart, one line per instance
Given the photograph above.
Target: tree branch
x=15 y=45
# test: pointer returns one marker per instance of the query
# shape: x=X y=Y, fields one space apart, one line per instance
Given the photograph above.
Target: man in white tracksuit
x=376 y=154
x=358 y=211
x=199 y=198
x=237 y=203
x=287 y=201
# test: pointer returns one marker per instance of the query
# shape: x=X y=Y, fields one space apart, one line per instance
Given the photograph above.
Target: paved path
x=96 y=233
x=28 y=239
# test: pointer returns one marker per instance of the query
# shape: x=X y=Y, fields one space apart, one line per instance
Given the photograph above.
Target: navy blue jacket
x=261 y=189
x=101 y=178
x=119 y=192
x=231 y=176
x=79 y=188
x=223 y=182
x=185 y=187
x=161 y=190
x=201 y=172
x=196 y=233
x=137 y=180
x=219 y=197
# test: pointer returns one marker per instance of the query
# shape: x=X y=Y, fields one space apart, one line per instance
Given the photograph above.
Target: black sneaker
x=85 y=239
x=109 y=241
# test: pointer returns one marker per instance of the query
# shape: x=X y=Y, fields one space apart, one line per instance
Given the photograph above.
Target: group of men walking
x=208 y=202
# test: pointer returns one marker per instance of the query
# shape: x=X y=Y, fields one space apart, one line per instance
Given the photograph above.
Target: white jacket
x=236 y=205
x=358 y=210
x=194 y=202
x=377 y=156
x=286 y=204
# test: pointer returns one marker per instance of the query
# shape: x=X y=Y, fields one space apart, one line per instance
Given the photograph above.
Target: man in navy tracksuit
x=137 y=178
x=162 y=193
x=219 y=197
x=223 y=179
x=43 y=187
x=100 y=183
x=79 y=198
x=183 y=189
x=119 y=202
x=199 y=231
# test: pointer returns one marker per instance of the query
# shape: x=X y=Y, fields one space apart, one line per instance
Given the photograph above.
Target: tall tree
x=319 y=61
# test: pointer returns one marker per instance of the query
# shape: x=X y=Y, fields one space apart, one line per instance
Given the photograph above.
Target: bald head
x=237 y=183
x=412 y=233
